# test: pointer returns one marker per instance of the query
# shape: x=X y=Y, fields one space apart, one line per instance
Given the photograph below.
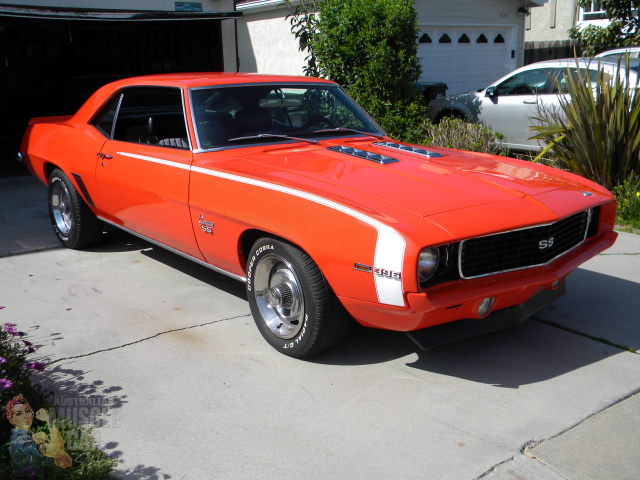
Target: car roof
x=581 y=61
x=201 y=79
x=186 y=81
x=615 y=51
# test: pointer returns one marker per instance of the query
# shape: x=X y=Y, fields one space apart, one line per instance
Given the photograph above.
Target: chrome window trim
x=197 y=147
x=586 y=231
x=121 y=92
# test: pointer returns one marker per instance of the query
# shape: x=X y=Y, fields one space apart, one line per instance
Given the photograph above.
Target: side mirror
x=491 y=92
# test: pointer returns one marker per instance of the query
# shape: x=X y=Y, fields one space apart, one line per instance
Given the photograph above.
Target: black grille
x=521 y=248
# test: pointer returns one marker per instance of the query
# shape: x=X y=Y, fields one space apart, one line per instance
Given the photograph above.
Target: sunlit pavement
x=188 y=389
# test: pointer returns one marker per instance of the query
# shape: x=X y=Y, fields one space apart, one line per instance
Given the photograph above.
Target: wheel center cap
x=274 y=297
x=280 y=296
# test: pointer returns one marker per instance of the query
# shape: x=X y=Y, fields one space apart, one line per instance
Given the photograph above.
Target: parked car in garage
x=286 y=184
x=510 y=103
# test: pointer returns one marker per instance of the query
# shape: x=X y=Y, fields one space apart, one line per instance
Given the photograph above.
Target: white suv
x=509 y=104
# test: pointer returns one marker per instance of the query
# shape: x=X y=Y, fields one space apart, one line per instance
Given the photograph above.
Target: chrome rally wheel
x=73 y=222
x=61 y=208
x=292 y=304
x=279 y=297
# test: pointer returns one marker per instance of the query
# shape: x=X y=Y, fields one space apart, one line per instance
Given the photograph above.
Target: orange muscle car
x=286 y=184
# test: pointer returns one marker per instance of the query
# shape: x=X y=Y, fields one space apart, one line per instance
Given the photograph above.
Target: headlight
x=428 y=263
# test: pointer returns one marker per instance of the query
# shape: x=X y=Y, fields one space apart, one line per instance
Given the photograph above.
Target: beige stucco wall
x=542 y=19
x=266 y=44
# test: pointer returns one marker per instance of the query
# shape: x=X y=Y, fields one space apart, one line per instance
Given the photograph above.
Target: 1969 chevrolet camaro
x=286 y=184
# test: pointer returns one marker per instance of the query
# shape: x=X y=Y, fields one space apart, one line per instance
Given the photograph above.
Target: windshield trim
x=380 y=133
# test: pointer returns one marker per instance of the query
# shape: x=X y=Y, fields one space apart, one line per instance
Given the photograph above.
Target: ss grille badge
x=544 y=244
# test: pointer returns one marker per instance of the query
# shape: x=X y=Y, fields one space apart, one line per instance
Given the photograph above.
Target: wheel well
x=48 y=169
x=249 y=237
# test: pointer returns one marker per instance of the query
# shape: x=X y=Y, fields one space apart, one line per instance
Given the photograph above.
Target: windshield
x=235 y=114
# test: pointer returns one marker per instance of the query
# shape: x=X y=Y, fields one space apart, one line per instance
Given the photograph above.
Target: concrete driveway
x=188 y=389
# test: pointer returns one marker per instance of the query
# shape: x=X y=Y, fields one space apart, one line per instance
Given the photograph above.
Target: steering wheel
x=317 y=121
x=520 y=90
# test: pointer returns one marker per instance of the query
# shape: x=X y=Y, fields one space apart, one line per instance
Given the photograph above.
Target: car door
x=510 y=106
x=586 y=75
x=143 y=168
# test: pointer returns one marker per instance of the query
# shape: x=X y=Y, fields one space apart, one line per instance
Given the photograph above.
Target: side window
x=587 y=75
x=530 y=82
x=104 y=121
x=152 y=115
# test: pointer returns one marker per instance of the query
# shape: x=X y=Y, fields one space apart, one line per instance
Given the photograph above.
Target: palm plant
x=596 y=130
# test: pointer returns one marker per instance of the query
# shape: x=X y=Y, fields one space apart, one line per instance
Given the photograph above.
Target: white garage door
x=466 y=57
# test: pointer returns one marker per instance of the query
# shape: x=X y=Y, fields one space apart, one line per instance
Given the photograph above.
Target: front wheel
x=292 y=304
x=74 y=224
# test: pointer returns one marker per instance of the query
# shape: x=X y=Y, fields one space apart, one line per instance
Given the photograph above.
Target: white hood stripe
x=390 y=245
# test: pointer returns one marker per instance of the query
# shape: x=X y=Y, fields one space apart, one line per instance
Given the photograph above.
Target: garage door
x=466 y=57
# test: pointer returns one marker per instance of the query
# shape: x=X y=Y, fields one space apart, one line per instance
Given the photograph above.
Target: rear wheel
x=292 y=304
x=75 y=225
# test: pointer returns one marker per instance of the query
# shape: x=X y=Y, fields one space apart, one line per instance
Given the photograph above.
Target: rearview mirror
x=491 y=92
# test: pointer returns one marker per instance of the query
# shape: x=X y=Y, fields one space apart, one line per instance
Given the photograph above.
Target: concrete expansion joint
x=30 y=250
x=582 y=334
x=619 y=254
x=494 y=467
x=148 y=338
x=526 y=448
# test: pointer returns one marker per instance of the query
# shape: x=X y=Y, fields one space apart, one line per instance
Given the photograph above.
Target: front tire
x=292 y=304
x=75 y=225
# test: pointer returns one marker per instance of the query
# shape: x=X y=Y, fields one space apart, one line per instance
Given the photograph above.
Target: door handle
x=104 y=156
x=530 y=102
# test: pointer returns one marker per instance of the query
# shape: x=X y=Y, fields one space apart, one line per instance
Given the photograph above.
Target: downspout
x=235 y=31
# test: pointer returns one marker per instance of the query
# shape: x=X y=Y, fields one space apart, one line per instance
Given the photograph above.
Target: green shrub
x=628 y=196
x=459 y=134
x=596 y=130
x=370 y=48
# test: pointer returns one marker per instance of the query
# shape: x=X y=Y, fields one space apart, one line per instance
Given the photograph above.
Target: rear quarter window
x=145 y=115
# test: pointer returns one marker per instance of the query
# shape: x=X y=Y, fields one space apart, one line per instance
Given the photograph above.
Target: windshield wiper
x=273 y=135
x=348 y=130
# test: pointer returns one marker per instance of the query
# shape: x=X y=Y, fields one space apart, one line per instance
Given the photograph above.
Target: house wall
x=266 y=44
x=552 y=21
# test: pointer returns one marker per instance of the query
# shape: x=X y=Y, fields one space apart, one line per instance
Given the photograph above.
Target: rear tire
x=292 y=304
x=75 y=225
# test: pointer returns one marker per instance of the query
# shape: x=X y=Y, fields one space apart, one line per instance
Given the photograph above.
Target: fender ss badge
x=586 y=194
x=207 y=227
x=378 y=271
